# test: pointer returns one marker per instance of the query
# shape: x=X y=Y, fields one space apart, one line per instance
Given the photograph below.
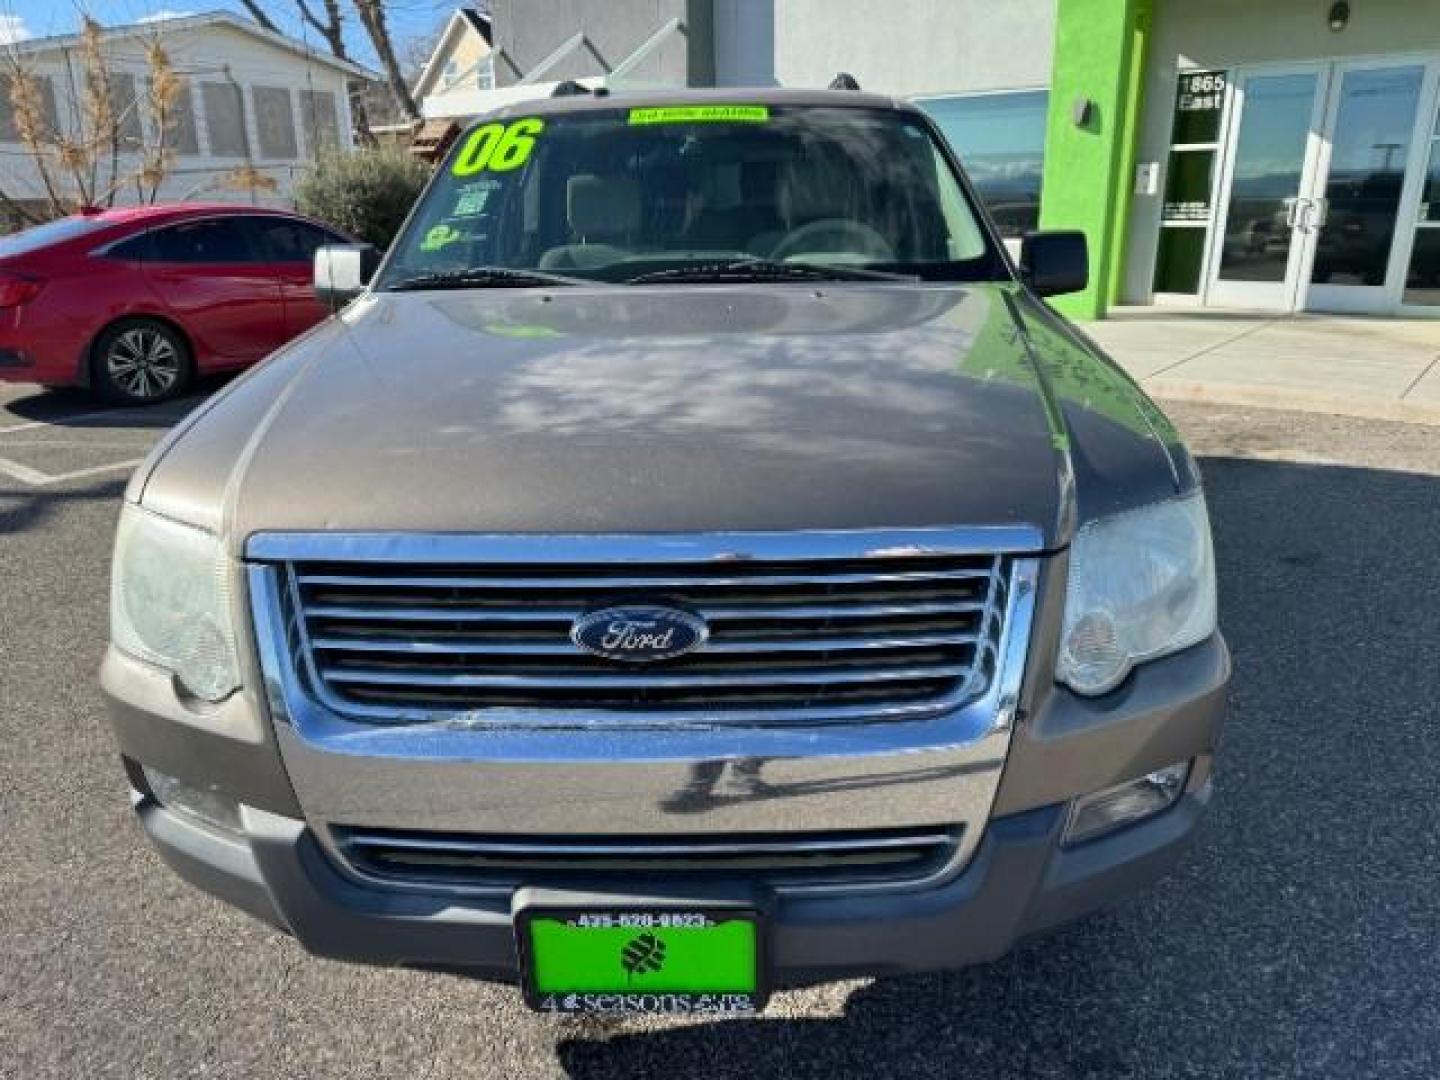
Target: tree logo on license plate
x=643 y=955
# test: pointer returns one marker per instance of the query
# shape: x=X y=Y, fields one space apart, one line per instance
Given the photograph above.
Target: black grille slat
x=744 y=648
x=408 y=606
x=502 y=862
x=576 y=679
x=609 y=584
x=786 y=635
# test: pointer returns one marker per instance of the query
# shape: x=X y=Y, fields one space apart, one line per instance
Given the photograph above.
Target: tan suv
x=697 y=562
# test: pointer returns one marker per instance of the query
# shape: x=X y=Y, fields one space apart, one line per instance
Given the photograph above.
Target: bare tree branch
x=27 y=109
x=372 y=17
x=259 y=15
x=332 y=29
x=68 y=163
x=329 y=28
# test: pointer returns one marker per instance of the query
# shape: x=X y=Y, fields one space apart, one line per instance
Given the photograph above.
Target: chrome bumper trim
x=345 y=692
x=641 y=547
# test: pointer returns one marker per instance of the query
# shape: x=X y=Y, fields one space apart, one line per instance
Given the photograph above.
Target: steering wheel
x=860 y=239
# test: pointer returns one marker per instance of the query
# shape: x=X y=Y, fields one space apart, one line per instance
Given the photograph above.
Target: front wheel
x=140 y=362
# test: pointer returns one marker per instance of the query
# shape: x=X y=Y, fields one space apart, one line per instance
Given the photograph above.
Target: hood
x=637 y=410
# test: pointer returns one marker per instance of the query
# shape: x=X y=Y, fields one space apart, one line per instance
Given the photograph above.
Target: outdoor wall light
x=1081 y=111
x=1339 y=16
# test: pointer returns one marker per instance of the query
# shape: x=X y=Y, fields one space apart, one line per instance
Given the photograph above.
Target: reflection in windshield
x=620 y=194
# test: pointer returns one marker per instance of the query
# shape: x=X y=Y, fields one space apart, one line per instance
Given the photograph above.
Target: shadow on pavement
x=1296 y=939
x=25 y=509
x=69 y=406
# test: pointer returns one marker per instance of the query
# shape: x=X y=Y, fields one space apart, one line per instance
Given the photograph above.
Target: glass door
x=1274 y=147
x=1351 y=219
x=1422 y=277
x=1326 y=203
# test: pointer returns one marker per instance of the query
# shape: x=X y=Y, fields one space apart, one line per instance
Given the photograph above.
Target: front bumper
x=1016 y=880
x=1019 y=882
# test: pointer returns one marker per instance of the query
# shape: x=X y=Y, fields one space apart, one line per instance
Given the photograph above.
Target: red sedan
x=134 y=302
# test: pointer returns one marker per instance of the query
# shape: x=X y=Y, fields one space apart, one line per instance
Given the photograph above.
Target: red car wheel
x=141 y=362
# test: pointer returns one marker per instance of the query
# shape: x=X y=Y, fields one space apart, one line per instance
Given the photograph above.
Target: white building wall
x=905 y=47
x=1229 y=33
x=744 y=39
x=203 y=54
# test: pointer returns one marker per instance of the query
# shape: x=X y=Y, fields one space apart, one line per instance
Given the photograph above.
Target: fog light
x=204 y=805
x=1113 y=808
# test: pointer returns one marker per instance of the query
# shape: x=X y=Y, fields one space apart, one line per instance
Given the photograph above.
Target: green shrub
x=367 y=193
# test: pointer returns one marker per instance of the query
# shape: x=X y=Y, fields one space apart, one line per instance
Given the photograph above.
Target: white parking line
x=35 y=478
x=30 y=425
x=23 y=473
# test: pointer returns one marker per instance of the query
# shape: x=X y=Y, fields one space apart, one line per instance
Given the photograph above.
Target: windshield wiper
x=486 y=277
x=766 y=270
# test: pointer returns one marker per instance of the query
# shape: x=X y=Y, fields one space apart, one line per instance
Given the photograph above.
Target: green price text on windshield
x=497 y=147
x=687 y=114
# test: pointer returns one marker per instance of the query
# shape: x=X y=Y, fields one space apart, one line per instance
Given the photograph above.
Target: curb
x=1274 y=397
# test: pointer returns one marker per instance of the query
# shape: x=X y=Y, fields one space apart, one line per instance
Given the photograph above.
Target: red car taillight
x=16 y=290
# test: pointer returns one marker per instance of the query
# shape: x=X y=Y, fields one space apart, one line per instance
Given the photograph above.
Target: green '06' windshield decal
x=686 y=114
x=497 y=147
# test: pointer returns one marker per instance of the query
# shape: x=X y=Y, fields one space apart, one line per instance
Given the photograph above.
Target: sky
x=20 y=19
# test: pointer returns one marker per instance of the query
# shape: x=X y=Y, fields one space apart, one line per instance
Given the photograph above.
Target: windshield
x=693 y=192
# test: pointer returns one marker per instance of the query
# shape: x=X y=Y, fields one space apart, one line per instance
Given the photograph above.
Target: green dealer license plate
x=642 y=961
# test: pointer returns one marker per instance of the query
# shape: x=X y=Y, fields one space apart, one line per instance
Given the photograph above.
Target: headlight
x=1142 y=584
x=170 y=602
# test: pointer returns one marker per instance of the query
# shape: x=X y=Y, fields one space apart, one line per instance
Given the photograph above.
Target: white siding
x=210 y=58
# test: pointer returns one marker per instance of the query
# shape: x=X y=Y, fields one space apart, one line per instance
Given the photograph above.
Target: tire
x=140 y=362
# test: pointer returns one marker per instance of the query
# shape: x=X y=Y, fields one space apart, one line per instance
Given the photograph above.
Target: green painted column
x=1089 y=166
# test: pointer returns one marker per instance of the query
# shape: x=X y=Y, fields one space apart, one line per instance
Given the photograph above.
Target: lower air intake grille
x=460 y=860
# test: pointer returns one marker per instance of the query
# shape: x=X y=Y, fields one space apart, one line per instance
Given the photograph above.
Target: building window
x=126 y=107
x=485 y=74
x=1187 y=208
x=180 y=134
x=50 y=117
x=321 y=118
x=451 y=75
x=225 y=119
x=275 y=122
x=1422 y=283
x=1000 y=140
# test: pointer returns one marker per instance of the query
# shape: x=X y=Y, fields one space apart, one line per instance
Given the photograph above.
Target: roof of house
x=206 y=19
x=463 y=18
x=480 y=21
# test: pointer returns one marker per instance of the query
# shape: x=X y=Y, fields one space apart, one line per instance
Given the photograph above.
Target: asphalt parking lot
x=1298 y=938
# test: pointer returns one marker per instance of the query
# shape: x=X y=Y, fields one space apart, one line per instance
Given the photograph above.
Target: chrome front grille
x=899 y=630
x=501 y=863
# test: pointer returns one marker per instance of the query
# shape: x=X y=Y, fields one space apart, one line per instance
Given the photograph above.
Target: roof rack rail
x=844 y=81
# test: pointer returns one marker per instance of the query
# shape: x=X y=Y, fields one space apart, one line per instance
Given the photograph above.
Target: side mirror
x=1055 y=263
x=342 y=271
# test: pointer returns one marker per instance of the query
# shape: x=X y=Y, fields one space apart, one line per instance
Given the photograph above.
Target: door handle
x=1320 y=208
x=1292 y=211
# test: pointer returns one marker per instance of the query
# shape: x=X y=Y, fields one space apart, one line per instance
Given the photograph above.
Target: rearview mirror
x=1055 y=263
x=342 y=271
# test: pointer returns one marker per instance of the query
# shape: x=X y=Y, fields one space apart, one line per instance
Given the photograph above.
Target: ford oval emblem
x=639 y=634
